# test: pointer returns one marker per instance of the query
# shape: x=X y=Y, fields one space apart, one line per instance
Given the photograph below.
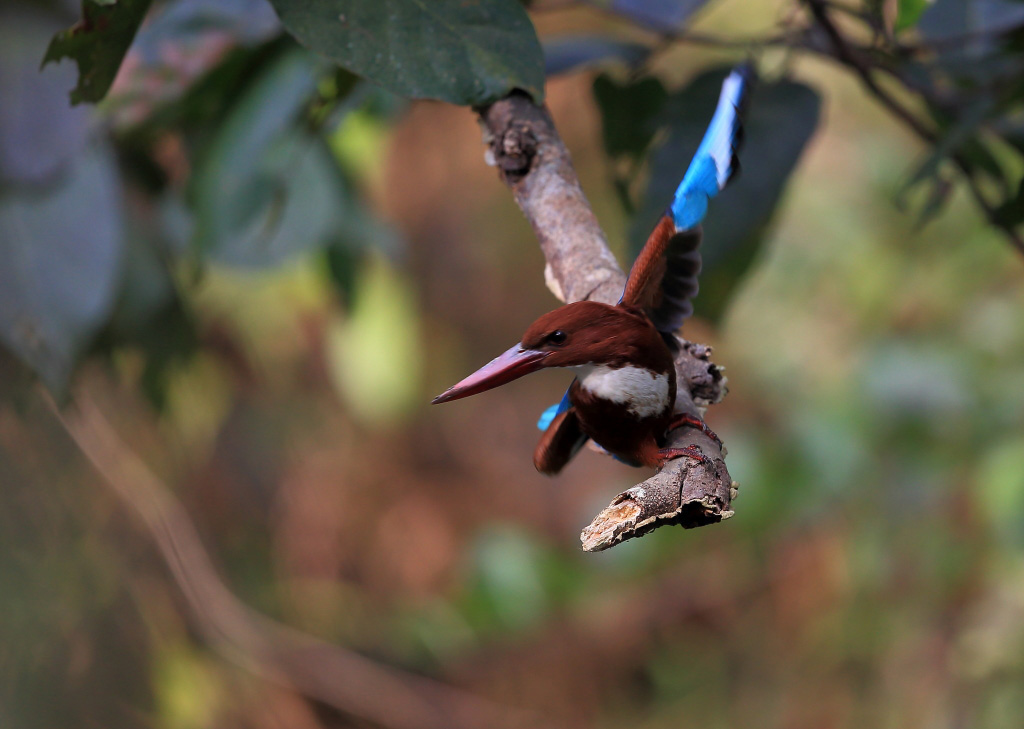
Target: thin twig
x=849 y=57
x=712 y=41
x=852 y=59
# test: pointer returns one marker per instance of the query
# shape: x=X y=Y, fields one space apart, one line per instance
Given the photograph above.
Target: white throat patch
x=645 y=393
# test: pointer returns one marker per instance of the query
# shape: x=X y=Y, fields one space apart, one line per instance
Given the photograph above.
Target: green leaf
x=629 y=113
x=1010 y=214
x=149 y=317
x=343 y=267
x=267 y=189
x=60 y=209
x=938 y=196
x=185 y=26
x=463 y=51
x=563 y=54
x=208 y=100
x=373 y=355
x=909 y=12
x=981 y=20
x=960 y=136
x=181 y=44
x=659 y=15
x=39 y=133
x=780 y=121
x=1000 y=487
x=97 y=43
x=291 y=205
x=507 y=590
x=61 y=249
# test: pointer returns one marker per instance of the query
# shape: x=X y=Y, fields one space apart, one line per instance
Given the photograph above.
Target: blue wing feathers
x=554 y=411
x=715 y=162
x=547 y=417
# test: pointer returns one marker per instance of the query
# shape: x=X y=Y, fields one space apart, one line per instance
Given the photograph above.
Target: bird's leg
x=690 y=421
x=690 y=451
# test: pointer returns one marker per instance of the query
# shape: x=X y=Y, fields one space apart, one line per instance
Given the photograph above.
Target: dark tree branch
x=850 y=57
x=859 y=60
x=524 y=144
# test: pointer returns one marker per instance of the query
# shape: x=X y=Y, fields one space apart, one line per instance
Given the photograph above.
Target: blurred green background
x=873 y=574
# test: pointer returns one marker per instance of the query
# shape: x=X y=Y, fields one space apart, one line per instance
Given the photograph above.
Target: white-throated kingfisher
x=623 y=355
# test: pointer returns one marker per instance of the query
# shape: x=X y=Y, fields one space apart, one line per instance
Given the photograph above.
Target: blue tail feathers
x=715 y=162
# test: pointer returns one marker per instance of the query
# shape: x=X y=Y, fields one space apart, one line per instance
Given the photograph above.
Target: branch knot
x=515 y=149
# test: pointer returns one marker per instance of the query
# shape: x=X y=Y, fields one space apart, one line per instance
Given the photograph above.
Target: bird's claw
x=690 y=451
x=689 y=421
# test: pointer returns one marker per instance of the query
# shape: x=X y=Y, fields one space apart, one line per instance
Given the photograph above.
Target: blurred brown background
x=873 y=574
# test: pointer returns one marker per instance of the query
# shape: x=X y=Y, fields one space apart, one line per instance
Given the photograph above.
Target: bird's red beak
x=506 y=367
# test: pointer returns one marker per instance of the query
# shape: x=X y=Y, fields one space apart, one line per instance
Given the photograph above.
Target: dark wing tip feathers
x=734 y=165
x=748 y=75
x=747 y=72
x=679 y=282
x=559 y=443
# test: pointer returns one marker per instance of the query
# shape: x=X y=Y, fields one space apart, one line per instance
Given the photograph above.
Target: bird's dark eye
x=557 y=337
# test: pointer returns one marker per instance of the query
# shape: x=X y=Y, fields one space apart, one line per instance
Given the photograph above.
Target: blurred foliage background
x=261 y=267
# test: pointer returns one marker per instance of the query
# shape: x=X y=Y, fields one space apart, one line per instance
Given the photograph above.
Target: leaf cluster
x=219 y=142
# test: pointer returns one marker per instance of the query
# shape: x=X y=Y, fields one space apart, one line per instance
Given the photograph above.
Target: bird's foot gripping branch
x=533 y=161
x=685 y=492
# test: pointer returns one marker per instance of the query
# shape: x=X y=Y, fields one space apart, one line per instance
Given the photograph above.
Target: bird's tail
x=715 y=162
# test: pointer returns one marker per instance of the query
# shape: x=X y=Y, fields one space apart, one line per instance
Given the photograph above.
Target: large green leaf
x=567 y=53
x=1010 y=213
x=462 y=51
x=970 y=37
x=61 y=249
x=960 y=136
x=629 y=113
x=202 y=107
x=149 y=317
x=781 y=119
x=630 y=117
x=39 y=133
x=97 y=43
x=268 y=189
x=60 y=209
x=976 y=20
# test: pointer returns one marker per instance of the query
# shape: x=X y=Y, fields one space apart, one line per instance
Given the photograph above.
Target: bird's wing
x=548 y=416
x=663 y=279
x=561 y=441
x=664 y=276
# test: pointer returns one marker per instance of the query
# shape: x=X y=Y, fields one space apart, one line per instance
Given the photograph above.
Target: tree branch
x=524 y=144
x=849 y=56
x=327 y=673
x=840 y=49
